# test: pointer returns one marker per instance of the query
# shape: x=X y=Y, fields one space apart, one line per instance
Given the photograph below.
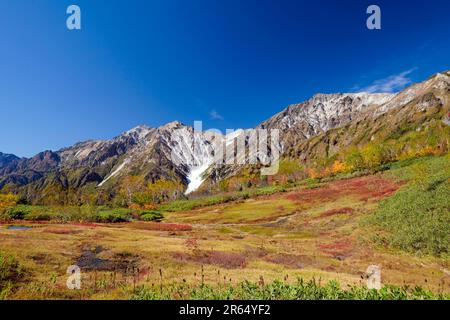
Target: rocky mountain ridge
x=177 y=152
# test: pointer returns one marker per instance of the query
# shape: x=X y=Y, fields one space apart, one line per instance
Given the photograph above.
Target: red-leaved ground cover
x=364 y=188
x=339 y=248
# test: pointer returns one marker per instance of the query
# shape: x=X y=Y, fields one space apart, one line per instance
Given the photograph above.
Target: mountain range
x=316 y=128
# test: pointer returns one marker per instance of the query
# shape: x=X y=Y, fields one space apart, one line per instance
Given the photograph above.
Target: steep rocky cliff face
x=6 y=159
x=415 y=109
x=328 y=111
x=322 y=112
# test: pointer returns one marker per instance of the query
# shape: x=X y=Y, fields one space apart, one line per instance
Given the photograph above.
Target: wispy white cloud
x=215 y=115
x=391 y=84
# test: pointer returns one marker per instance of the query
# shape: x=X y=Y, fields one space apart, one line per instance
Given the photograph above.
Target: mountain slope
x=318 y=128
x=322 y=112
x=166 y=152
x=420 y=110
x=6 y=159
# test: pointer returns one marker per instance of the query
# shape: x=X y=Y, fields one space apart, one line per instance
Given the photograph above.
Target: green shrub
x=40 y=216
x=114 y=215
x=151 y=216
x=30 y=213
x=266 y=191
x=18 y=212
x=185 y=205
x=191 y=204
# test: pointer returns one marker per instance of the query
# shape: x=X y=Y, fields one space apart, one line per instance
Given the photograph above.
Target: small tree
x=354 y=159
x=129 y=186
x=8 y=200
x=339 y=167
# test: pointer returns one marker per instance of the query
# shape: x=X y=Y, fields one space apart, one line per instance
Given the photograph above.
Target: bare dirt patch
x=41 y=258
x=90 y=261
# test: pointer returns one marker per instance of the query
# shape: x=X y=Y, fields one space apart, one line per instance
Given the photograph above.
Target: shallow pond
x=18 y=228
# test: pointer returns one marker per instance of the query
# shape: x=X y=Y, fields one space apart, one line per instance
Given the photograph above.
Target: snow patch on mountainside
x=204 y=158
x=195 y=177
x=191 y=152
x=114 y=173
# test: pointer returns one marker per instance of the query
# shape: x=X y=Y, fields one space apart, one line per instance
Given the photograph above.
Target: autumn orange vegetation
x=8 y=200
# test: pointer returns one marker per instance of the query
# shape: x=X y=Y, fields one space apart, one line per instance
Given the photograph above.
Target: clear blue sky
x=230 y=63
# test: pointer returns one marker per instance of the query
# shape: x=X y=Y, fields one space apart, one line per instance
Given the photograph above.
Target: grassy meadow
x=310 y=240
